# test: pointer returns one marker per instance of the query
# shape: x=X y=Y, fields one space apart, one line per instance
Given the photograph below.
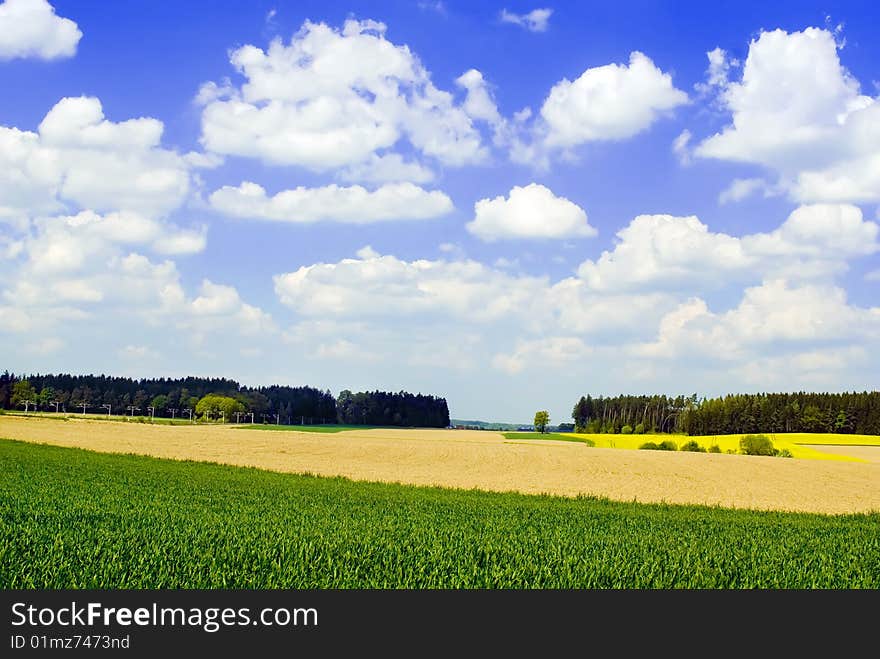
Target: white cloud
x=217 y=302
x=355 y=204
x=532 y=211
x=30 y=28
x=335 y=98
x=798 y=112
x=770 y=317
x=534 y=21
x=741 y=188
x=479 y=103
x=538 y=354
x=680 y=147
x=611 y=102
x=373 y=286
x=663 y=250
x=391 y=167
x=78 y=157
x=718 y=72
x=87 y=239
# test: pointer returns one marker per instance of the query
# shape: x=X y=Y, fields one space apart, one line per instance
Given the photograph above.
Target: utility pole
x=26 y=403
x=152 y=411
x=131 y=409
x=277 y=419
x=238 y=416
x=188 y=411
x=56 y=403
x=222 y=416
x=107 y=406
x=252 y=417
x=173 y=412
x=83 y=404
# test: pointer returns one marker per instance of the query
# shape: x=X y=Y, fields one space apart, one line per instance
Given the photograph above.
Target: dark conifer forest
x=849 y=412
x=178 y=398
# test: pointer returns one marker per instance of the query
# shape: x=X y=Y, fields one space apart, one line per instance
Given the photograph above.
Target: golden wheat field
x=487 y=461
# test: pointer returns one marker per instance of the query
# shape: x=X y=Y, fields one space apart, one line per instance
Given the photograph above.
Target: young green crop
x=74 y=519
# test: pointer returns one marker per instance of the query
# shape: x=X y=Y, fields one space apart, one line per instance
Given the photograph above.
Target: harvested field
x=485 y=460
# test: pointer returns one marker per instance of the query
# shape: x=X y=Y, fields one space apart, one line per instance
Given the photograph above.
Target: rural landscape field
x=418 y=508
x=437 y=294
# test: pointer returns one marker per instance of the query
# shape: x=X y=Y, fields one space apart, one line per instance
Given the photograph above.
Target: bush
x=756 y=445
x=692 y=446
x=714 y=448
x=785 y=453
x=667 y=445
x=640 y=429
x=626 y=430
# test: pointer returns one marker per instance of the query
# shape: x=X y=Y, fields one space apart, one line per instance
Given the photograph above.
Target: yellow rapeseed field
x=799 y=444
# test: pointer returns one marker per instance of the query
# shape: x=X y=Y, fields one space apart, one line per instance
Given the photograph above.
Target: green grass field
x=315 y=428
x=792 y=441
x=75 y=519
x=565 y=437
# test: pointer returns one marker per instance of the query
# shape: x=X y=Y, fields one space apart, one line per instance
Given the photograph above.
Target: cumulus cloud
x=374 y=285
x=64 y=243
x=30 y=28
x=532 y=211
x=611 y=102
x=78 y=157
x=798 y=112
x=335 y=98
x=657 y=251
x=775 y=315
x=354 y=205
x=534 y=21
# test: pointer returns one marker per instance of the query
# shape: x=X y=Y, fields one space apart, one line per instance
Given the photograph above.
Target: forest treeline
x=380 y=408
x=179 y=398
x=848 y=412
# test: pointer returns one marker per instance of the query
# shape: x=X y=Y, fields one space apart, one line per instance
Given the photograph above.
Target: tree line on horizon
x=181 y=398
x=848 y=412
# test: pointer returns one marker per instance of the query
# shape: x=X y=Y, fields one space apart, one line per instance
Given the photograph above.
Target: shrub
x=756 y=445
x=666 y=445
x=640 y=429
x=714 y=448
x=626 y=430
x=785 y=453
x=692 y=446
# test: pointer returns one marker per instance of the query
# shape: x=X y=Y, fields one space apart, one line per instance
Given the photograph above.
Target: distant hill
x=488 y=425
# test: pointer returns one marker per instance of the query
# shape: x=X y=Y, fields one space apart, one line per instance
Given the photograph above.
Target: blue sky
x=506 y=204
